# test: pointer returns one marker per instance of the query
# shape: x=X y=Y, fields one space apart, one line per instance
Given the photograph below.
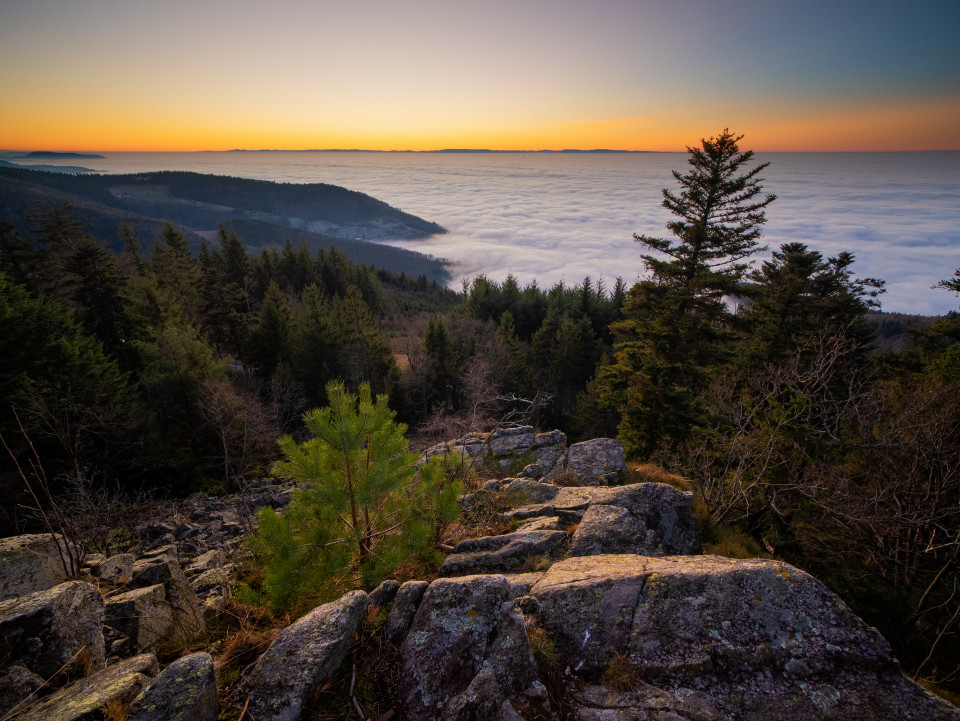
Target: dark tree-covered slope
x=266 y=213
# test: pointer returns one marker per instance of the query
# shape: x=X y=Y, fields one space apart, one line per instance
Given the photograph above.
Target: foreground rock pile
x=595 y=606
x=74 y=647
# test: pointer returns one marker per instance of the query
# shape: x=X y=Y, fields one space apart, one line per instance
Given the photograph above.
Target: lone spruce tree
x=670 y=340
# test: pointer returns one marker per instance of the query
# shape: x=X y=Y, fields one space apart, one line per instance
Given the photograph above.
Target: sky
x=87 y=75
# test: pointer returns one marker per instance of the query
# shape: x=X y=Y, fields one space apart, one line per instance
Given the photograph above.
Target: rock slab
x=302 y=658
x=503 y=553
x=28 y=564
x=142 y=614
x=760 y=639
x=598 y=462
x=185 y=691
x=85 y=700
x=46 y=630
x=445 y=648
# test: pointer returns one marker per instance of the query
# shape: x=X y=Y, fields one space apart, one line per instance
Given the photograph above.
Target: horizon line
x=597 y=151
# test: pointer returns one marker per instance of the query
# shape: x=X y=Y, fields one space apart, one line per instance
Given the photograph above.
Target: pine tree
x=236 y=264
x=951 y=283
x=438 y=349
x=96 y=291
x=223 y=305
x=270 y=342
x=177 y=273
x=720 y=216
x=797 y=294
x=76 y=404
x=314 y=349
x=670 y=340
x=364 y=512
x=365 y=353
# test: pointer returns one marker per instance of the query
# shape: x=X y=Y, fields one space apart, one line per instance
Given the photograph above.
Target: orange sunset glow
x=113 y=76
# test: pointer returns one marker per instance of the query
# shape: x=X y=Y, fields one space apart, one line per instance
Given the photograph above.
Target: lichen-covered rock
x=115 y=569
x=216 y=581
x=482 y=700
x=46 y=630
x=508 y=446
x=29 y=563
x=521 y=583
x=403 y=609
x=587 y=604
x=447 y=643
x=735 y=617
x=608 y=529
x=556 y=438
x=510 y=657
x=541 y=523
x=384 y=593
x=503 y=553
x=598 y=462
x=302 y=658
x=85 y=700
x=185 y=691
x=511 y=441
x=661 y=523
x=761 y=639
x=143 y=615
x=533 y=471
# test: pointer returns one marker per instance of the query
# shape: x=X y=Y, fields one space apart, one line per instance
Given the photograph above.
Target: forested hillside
x=266 y=213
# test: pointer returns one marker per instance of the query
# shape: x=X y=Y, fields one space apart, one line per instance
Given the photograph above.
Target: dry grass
x=651 y=473
x=240 y=635
x=538 y=563
x=551 y=668
x=545 y=651
x=940 y=691
x=732 y=543
x=482 y=517
x=621 y=673
x=115 y=710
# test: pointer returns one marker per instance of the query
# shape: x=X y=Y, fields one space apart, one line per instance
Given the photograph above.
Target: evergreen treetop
x=720 y=213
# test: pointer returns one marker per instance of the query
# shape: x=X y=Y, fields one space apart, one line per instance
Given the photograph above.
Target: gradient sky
x=505 y=74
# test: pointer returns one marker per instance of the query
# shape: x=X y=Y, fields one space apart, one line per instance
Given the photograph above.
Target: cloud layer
x=551 y=217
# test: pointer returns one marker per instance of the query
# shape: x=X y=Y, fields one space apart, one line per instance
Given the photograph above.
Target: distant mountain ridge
x=443 y=150
x=50 y=154
x=264 y=212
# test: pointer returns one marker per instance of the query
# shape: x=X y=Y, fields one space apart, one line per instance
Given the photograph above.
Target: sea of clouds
x=553 y=217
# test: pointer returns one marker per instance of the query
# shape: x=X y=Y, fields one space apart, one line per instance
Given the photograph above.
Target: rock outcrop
x=598 y=462
x=595 y=606
x=143 y=615
x=162 y=568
